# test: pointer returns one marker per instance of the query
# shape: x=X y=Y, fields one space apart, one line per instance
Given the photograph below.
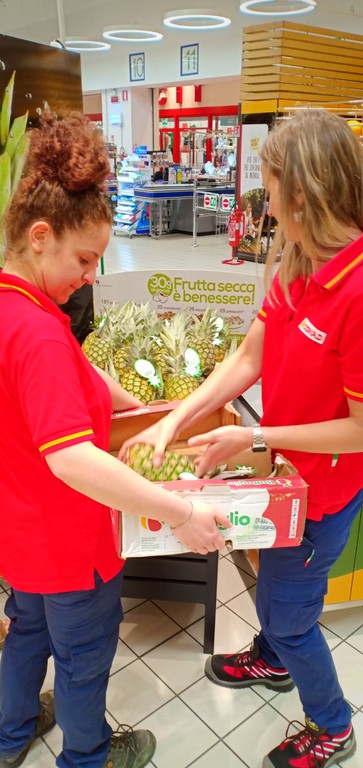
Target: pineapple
x=99 y=345
x=140 y=458
x=202 y=337
x=178 y=382
x=145 y=389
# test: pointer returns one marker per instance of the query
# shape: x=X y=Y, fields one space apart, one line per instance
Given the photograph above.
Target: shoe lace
x=248 y=658
x=122 y=737
x=306 y=742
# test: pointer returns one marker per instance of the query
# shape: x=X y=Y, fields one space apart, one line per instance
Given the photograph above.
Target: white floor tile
x=219 y=756
x=245 y=606
x=135 y=692
x=179 y=662
x=231 y=580
x=257 y=736
x=183 y=614
x=39 y=756
x=123 y=656
x=344 y=621
x=232 y=633
x=145 y=627
x=356 y=639
x=221 y=708
x=181 y=737
x=349 y=665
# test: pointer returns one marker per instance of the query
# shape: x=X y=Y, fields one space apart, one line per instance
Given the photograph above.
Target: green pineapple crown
x=174 y=340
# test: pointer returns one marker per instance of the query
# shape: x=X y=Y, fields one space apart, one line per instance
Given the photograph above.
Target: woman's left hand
x=220 y=444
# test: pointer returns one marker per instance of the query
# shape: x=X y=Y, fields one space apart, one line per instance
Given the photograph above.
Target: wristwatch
x=258 y=440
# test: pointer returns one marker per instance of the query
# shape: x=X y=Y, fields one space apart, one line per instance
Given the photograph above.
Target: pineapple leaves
x=17 y=130
x=6 y=110
x=5 y=181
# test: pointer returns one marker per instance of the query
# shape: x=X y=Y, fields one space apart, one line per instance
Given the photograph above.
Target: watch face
x=258 y=448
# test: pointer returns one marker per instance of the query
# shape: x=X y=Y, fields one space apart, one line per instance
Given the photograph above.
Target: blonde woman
x=307 y=344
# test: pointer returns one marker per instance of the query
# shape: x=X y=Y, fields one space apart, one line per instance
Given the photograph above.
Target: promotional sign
x=237 y=295
x=253 y=136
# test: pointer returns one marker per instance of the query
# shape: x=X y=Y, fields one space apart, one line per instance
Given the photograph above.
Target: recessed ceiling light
x=277 y=7
x=134 y=35
x=81 y=45
x=195 y=18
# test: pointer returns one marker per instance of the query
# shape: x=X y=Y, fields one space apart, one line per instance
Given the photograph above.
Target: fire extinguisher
x=235 y=227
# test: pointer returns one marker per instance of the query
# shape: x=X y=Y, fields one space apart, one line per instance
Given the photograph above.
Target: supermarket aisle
x=157 y=677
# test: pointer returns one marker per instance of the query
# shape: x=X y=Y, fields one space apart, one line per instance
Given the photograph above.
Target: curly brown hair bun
x=66 y=164
x=68 y=150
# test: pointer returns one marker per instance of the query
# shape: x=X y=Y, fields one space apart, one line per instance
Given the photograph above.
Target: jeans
x=80 y=629
x=291 y=585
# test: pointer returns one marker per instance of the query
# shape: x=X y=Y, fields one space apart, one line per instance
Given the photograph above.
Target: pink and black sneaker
x=311 y=748
x=240 y=670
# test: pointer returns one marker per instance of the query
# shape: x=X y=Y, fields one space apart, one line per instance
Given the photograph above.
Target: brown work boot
x=46 y=721
x=129 y=748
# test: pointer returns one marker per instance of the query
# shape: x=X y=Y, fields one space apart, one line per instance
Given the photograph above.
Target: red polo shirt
x=312 y=366
x=52 y=537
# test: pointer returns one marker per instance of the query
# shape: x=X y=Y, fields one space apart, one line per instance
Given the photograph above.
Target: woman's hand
x=219 y=445
x=200 y=533
x=160 y=435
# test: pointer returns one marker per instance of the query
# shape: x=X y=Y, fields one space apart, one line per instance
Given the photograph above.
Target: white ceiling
x=37 y=20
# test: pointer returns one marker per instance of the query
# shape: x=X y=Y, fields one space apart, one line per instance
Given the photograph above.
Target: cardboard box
x=125 y=424
x=266 y=511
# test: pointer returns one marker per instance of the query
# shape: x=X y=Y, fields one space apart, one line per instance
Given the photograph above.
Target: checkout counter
x=189 y=207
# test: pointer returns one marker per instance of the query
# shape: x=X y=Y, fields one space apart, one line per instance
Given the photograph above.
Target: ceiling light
x=277 y=7
x=81 y=45
x=135 y=35
x=195 y=18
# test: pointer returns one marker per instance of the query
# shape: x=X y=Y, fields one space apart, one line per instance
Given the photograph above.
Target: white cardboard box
x=265 y=512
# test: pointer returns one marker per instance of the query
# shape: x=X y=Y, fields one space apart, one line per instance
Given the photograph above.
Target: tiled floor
x=157 y=678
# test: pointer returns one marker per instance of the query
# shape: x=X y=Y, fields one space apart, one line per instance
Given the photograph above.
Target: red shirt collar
x=31 y=292
x=341 y=266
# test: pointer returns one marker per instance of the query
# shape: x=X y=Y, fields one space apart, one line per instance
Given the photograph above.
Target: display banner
x=237 y=296
x=253 y=136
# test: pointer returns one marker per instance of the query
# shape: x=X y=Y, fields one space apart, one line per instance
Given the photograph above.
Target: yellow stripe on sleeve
x=353 y=394
x=66 y=439
x=262 y=312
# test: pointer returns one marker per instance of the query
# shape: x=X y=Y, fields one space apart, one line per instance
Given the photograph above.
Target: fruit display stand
x=185 y=578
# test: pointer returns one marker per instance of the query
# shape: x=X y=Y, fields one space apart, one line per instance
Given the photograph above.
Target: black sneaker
x=311 y=748
x=240 y=670
x=129 y=748
x=45 y=723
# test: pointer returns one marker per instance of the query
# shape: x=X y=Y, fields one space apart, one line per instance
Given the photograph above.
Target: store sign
x=253 y=136
x=226 y=202
x=211 y=201
x=236 y=295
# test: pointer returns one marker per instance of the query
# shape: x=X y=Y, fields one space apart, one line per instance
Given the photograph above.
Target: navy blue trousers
x=80 y=629
x=291 y=586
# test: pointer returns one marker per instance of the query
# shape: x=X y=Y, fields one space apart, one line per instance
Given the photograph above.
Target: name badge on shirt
x=311 y=332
